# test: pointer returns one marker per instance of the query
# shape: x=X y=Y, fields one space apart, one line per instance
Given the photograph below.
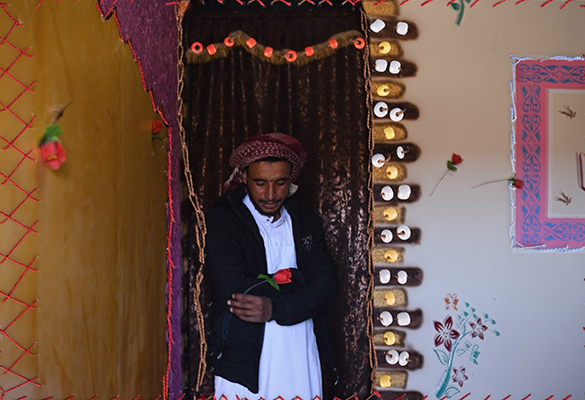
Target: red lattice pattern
x=15 y=195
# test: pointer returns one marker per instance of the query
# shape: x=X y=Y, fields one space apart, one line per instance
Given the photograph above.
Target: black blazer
x=235 y=255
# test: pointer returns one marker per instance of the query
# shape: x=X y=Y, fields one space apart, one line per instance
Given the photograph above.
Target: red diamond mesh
x=17 y=227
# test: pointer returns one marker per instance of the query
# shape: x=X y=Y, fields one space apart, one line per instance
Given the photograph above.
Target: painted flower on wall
x=477 y=328
x=459 y=376
x=458 y=333
x=445 y=333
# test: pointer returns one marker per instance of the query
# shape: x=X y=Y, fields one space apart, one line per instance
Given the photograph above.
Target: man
x=267 y=342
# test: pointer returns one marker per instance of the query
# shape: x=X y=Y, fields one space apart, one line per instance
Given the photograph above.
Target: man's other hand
x=251 y=308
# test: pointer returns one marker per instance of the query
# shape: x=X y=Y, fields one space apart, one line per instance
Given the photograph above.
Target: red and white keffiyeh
x=263 y=146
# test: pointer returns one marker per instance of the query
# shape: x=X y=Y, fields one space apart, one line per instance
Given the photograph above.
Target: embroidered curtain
x=323 y=104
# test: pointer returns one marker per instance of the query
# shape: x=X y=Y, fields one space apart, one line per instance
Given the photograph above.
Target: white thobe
x=289 y=363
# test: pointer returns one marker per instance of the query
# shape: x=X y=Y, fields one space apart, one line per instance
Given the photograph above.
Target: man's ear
x=245 y=176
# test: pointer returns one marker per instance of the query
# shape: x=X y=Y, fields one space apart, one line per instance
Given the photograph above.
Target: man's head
x=268 y=181
x=273 y=146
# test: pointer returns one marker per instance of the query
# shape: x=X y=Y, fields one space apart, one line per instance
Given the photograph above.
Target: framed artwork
x=548 y=149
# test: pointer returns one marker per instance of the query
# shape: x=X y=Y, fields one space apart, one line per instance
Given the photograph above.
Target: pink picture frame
x=548 y=150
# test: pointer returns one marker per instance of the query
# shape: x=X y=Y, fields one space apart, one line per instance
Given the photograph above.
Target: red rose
x=456 y=159
x=282 y=276
x=518 y=184
x=53 y=153
x=156 y=127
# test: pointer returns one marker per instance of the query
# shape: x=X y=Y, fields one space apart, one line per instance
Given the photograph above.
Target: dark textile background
x=323 y=104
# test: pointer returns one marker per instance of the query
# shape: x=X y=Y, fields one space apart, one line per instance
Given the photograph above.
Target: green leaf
x=456 y=8
x=460 y=352
x=53 y=130
x=442 y=356
x=451 y=391
x=450 y=165
x=474 y=355
x=269 y=280
x=273 y=284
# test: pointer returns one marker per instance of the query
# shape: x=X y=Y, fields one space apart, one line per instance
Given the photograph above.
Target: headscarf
x=263 y=146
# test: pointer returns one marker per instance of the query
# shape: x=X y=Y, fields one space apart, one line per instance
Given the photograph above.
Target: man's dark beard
x=261 y=211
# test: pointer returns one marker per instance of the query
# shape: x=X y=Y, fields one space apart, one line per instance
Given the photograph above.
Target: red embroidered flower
x=477 y=328
x=445 y=333
x=282 y=276
x=53 y=153
x=459 y=376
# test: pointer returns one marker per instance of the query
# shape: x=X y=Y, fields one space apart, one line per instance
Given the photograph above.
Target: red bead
x=309 y=51
x=268 y=52
x=251 y=42
x=196 y=47
x=228 y=41
x=290 y=55
x=359 y=43
x=333 y=43
x=211 y=49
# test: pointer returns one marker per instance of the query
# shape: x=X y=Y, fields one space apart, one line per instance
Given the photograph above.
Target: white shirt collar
x=264 y=219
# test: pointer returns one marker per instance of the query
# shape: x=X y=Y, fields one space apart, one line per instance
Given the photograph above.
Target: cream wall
x=463 y=92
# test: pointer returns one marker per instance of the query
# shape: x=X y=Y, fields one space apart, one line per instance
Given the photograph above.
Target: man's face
x=268 y=185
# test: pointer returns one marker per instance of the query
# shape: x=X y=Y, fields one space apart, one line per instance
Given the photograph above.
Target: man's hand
x=251 y=308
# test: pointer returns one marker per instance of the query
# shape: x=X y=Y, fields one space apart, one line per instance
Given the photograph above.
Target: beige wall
x=100 y=323
x=463 y=92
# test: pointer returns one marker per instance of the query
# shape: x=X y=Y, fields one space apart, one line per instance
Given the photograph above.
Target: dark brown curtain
x=323 y=104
